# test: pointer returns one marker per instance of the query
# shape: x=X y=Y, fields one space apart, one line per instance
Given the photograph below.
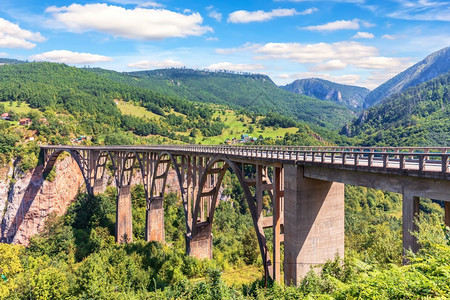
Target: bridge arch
x=155 y=196
x=201 y=236
x=79 y=159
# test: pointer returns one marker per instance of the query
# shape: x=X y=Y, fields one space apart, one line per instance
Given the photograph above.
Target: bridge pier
x=410 y=208
x=155 y=221
x=313 y=222
x=200 y=244
x=124 y=224
x=98 y=187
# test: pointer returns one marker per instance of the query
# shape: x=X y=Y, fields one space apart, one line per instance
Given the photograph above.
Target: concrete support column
x=124 y=225
x=200 y=245
x=99 y=186
x=313 y=222
x=410 y=207
x=277 y=213
x=155 y=221
x=447 y=213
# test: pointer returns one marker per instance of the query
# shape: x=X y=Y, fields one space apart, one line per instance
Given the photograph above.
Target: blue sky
x=358 y=42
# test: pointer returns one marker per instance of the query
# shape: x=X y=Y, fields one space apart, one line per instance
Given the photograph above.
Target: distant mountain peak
x=347 y=95
x=430 y=67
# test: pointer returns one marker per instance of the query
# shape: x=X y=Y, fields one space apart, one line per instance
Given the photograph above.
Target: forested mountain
x=252 y=92
x=419 y=116
x=347 y=95
x=433 y=65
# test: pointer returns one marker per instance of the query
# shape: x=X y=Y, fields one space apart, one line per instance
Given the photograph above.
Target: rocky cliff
x=27 y=200
x=31 y=199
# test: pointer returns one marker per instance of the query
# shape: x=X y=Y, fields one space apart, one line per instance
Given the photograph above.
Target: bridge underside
x=307 y=202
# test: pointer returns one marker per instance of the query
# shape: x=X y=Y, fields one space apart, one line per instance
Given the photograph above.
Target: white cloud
x=145 y=64
x=243 y=48
x=308 y=11
x=235 y=67
x=379 y=62
x=316 y=53
x=69 y=57
x=392 y=37
x=333 y=26
x=139 y=3
x=137 y=23
x=212 y=39
x=4 y=54
x=150 y=4
x=363 y=35
x=329 y=56
x=243 y=16
x=423 y=10
x=331 y=65
x=12 y=36
x=214 y=14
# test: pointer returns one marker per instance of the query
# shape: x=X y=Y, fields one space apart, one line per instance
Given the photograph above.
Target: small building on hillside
x=6 y=117
x=44 y=121
x=25 y=122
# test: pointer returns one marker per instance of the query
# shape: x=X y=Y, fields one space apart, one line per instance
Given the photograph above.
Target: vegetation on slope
x=348 y=95
x=76 y=256
x=254 y=93
x=432 y=66
x=420 y=116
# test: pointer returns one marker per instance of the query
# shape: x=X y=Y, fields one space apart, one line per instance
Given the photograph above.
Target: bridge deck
x=423 y=162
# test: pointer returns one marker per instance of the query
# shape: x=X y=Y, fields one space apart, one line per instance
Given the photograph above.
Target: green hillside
x=66 y=104
x=252 y=92
x=420 y=116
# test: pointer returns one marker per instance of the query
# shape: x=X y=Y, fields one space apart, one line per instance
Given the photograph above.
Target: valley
x=69 y=234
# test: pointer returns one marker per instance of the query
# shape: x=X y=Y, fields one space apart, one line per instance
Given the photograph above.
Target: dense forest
x=253 y=92
x=76 y=256
x=419 y=116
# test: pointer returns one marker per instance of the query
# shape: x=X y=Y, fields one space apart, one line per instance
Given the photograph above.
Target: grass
x=240 y=276
x=23 y=108
x=236 y=124
x=127 y=108
x=240 y=124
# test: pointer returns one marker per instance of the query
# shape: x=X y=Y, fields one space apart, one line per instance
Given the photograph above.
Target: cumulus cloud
x=243 y=48
x=146 y=64
x=316 y=53
x=340 y=25
x=392 y=37
x=363 y=35
x=333 y=26
x=4 y=54
x=235 y=67
x=150 y=4
x=331 y=65
x=12 y=36
x=138 y=23
x=69 y=57
x=244 y=16
x=322 y=56
x=214 y=14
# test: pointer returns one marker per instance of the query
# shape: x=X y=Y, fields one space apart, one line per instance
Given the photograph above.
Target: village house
x=6 y=117
x=26 y=121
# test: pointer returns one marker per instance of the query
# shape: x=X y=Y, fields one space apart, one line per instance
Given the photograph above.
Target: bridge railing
x=430 y=159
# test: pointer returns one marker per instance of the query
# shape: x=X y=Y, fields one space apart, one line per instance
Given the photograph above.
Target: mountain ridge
x=430 y=67
x=350 y=96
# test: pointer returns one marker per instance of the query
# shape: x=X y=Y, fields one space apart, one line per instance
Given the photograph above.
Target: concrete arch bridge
x=305 y=185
